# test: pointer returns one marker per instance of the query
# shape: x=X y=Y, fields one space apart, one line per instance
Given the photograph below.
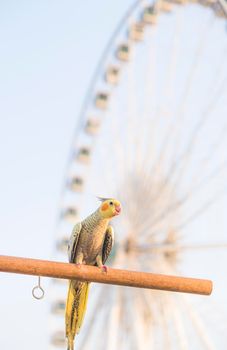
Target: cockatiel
x=90 y=243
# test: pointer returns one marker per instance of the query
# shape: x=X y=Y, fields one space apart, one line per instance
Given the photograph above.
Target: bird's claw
x=104 y=268
x=79 y=265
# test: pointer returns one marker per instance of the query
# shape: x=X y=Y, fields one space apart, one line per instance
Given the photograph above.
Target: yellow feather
x=82 y=305
x=75 y=309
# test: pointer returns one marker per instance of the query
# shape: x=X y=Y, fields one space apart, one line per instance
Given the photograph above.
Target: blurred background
x=115 y=99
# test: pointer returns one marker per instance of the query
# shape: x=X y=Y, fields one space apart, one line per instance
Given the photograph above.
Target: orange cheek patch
x=105 y=206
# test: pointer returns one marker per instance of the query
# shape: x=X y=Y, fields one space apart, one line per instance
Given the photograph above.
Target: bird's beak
x=117 y=209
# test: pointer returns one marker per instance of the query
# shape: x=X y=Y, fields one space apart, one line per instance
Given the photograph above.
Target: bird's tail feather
x=75 y=309
x=70 y=344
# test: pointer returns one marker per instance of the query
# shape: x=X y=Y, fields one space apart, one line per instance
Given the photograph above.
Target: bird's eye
x=111 y=203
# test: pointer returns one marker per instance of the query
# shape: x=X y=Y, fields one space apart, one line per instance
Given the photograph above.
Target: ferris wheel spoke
x=165 y=313
x=203 y=182
x=118 y=159
x=98 y=305
x=174 y=131
x=104 y=330
x=206 y=160
x=171 y=208
x=128 y=325
x=138 y=153
x=114 y=322
x=176 y=247
x=198 y=325
x=139 y=118
x=178 y=322
x=188 y=151
x=178 y=325
x=150 y=92
x=199 y=185
x=202 y=209
x=175 y=125
x=149 y=302
x=196 y=213
x=191 y=191
x=151 y=126
x=193 y=315
x=146 y=133
x=194 y=187
x=134 y=320
x=185 y=156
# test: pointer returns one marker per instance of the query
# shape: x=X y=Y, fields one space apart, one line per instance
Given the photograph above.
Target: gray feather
x=107 y=244
x=102 y=199
x=73 y=242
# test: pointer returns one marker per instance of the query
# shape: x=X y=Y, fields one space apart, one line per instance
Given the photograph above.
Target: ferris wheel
x=153 y=133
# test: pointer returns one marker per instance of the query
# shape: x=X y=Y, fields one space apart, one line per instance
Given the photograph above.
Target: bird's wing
x=107 y=244
x=73 y=242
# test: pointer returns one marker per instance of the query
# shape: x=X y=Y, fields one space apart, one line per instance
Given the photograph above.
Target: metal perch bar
x=112 y=276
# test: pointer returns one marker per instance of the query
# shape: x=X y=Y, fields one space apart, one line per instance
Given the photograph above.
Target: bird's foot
x=104 y=268
x=78 y=265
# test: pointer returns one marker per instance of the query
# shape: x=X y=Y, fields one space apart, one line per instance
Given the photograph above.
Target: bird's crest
x=101 y=199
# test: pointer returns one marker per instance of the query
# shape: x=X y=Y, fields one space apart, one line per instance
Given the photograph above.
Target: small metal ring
x=36 y=288
x=34 y=292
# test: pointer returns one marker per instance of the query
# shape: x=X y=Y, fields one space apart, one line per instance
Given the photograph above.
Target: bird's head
x=110 y=207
